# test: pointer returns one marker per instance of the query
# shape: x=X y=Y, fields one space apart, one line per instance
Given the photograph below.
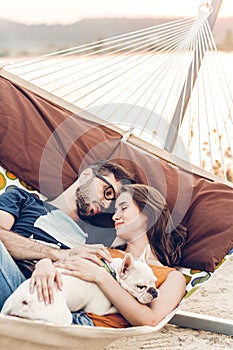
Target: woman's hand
x=90 y=252
x=82 y=268
x=43 y=278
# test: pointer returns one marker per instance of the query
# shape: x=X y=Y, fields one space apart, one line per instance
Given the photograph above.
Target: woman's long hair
x=165 y=239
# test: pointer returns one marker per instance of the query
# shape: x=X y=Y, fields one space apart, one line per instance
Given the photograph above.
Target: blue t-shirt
x=27 y=208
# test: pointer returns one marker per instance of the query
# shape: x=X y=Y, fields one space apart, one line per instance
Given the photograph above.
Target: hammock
x=134 y=108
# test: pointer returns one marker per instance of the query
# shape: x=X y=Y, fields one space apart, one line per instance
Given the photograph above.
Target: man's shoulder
x=17 y=193
x=23 y=205
x=16 y=199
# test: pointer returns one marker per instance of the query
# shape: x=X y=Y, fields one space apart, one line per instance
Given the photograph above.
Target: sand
x=214 y=298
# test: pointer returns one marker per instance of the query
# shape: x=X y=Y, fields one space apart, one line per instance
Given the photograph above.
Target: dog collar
x=109 y=268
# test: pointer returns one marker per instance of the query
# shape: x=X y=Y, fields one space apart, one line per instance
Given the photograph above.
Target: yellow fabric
x=117 y=320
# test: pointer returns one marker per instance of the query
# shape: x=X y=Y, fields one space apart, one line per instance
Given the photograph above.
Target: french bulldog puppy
x=133 y=275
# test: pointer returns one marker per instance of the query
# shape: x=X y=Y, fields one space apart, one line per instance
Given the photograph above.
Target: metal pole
x=203 y=322
x=187 y=88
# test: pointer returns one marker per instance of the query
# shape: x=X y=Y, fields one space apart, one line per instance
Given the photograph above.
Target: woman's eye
x=124 y=208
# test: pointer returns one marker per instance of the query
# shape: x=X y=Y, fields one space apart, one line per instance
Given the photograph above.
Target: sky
x=69 y=11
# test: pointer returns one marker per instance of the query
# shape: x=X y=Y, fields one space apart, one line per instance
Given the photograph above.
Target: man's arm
x=22 y=248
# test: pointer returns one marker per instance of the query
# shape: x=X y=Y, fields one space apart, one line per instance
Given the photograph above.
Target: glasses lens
x=109 y=193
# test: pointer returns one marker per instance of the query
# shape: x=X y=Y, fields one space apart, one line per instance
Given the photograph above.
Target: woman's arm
x=45 y=273
x=43 y=278
x=171 y=292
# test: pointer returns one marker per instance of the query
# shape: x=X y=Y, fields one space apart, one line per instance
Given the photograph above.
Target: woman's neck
x=137 y=246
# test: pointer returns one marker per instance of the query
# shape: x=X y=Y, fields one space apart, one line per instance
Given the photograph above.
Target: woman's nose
x=116 y=216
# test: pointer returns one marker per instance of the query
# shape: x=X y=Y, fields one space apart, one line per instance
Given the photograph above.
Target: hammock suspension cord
x=136 y=81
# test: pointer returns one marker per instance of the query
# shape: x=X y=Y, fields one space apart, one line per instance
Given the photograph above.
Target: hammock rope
x=139 y=81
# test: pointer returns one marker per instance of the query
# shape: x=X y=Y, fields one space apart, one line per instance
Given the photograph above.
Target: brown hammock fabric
x=46 y=146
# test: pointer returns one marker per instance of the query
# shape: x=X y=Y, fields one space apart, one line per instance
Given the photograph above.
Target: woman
x=141 y=218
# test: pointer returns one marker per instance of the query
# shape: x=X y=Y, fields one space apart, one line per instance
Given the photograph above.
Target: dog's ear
x=145 y=255
x=126 y=265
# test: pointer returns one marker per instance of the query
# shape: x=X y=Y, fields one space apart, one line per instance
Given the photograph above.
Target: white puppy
x=134 y=275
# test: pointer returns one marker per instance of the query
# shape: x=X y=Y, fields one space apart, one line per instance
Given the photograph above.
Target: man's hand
x=92 y=252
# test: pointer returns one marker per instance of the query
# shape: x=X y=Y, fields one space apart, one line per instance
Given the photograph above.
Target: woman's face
x=129 y=221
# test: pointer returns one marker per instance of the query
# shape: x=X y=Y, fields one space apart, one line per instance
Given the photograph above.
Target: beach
x=214 y=298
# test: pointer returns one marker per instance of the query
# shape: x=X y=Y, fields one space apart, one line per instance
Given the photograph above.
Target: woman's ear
x=127 y=264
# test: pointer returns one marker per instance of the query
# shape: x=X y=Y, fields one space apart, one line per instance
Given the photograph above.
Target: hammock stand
x=24 y=334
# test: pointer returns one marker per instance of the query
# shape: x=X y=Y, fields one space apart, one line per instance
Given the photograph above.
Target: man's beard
x=83 y=203
x=82 y=211
x=82 y=199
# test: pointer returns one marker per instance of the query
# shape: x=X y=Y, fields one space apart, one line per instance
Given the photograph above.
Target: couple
x=141 y=217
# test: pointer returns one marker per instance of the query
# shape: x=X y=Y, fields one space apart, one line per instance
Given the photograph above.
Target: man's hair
x=105 y=167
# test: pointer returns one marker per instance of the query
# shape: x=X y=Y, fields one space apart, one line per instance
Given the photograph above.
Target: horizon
x=65 y=12
x=100 y=18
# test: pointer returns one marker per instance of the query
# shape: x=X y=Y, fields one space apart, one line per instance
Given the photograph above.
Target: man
x=32 y=229
x=27 y=223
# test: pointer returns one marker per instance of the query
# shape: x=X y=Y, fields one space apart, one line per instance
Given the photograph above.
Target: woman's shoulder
x=161 y=273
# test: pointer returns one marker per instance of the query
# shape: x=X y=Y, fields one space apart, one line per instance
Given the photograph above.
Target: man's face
x=96 y=194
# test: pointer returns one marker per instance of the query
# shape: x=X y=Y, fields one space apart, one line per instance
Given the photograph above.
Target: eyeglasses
x=109 y=192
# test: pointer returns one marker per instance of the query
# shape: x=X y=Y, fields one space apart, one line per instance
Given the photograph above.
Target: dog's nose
x=153 y=292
